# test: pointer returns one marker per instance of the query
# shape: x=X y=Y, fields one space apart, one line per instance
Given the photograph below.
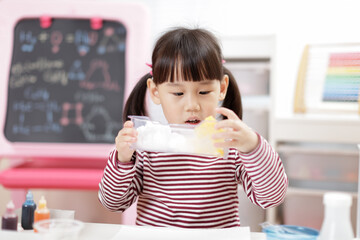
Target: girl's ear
x=224 y=83
x=153 y=90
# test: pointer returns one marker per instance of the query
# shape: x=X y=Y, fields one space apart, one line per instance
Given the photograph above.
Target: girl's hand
x=123 y=140
x=237 y=134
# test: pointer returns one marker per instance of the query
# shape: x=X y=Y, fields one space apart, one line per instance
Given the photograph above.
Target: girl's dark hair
x=189 y=55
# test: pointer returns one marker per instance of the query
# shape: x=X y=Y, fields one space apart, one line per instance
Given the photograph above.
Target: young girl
x=189 y=80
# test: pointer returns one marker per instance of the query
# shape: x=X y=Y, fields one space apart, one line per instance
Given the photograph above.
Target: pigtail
x=135 y=104
x=233 y=98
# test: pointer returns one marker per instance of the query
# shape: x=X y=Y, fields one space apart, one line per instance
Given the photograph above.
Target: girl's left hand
x=237 y=134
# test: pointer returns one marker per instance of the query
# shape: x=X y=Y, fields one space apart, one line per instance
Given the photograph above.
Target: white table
x=91 y=231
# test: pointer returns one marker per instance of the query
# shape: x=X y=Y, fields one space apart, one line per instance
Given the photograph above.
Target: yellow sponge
x=204 y=132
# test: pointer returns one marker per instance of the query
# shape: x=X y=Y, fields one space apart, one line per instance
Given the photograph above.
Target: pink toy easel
x=65 y=165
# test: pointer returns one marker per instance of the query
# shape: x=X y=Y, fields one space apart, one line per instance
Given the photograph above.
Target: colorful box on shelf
x=178 y=138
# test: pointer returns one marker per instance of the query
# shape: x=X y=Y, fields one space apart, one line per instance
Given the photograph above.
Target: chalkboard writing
x=66 y=82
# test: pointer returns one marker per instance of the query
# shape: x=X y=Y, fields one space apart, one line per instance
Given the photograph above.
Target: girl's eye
x=204 y=92
x=178 y=93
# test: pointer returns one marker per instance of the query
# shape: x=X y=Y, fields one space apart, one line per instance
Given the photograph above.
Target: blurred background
x=263 y=42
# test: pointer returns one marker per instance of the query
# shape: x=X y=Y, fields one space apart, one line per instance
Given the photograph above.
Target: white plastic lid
x=29 y=196
x=10 y=207
x=337 y=199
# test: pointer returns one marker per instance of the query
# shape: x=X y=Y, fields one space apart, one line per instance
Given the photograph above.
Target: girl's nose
x=192 y=104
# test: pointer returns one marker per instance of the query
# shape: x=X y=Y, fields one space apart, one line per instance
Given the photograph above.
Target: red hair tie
x=150 y=66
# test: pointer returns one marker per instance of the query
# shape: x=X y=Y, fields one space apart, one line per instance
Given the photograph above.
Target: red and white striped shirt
x=184 y=190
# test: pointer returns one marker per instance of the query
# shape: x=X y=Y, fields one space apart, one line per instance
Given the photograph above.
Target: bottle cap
x=337 y=199
x=10 y=207
x=42 y=203
x=29 y=196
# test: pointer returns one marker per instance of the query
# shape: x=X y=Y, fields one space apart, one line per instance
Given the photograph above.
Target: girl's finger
x=128 y=124
x=227 y=144
x=227 y=113
x=229 y=123
x=124 y=145
x=128 y=131
x=226 y=135
x=127 y=138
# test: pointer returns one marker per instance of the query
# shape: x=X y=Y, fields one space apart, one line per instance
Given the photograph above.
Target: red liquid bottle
x=9 y=219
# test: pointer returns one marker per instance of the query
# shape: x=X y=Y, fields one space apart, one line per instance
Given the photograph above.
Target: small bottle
x=41 y=212
x=9 y=219
x=336 y=224
x=27 y=212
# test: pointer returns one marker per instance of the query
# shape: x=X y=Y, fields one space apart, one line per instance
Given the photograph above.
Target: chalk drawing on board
x=99 y=113
x=43 y=37
x=54 y=85
x=27 y=73
x=84 y=40
x=56 y=38
x=36 y=100
x=27 y=41
x=76 y=72
x=44 y=111
x=55 y=76
x=98 y=76
x=110 y=42
x=77 y=108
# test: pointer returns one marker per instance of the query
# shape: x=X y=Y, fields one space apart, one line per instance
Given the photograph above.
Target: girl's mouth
x=193 y=121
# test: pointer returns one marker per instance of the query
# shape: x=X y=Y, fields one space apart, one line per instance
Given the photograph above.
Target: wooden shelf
x=310 y=192
x=335 y=128
x=334 y=149
x=309 y=133
x=256 y=102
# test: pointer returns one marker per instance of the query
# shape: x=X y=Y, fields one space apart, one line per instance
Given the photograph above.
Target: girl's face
x=186 y=102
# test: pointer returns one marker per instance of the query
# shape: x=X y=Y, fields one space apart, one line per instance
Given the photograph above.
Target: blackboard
x=66 y=82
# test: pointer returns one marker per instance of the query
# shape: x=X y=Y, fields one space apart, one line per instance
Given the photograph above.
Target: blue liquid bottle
x=9 y=219
x=27 y=212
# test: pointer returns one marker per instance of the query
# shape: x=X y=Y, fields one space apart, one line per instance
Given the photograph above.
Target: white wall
x=295 y=24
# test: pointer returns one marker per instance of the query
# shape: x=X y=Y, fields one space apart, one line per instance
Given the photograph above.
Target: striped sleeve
x=120 y=184
x=262 y=175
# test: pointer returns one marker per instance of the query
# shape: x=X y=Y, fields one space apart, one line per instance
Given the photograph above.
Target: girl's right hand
x=123 y=140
